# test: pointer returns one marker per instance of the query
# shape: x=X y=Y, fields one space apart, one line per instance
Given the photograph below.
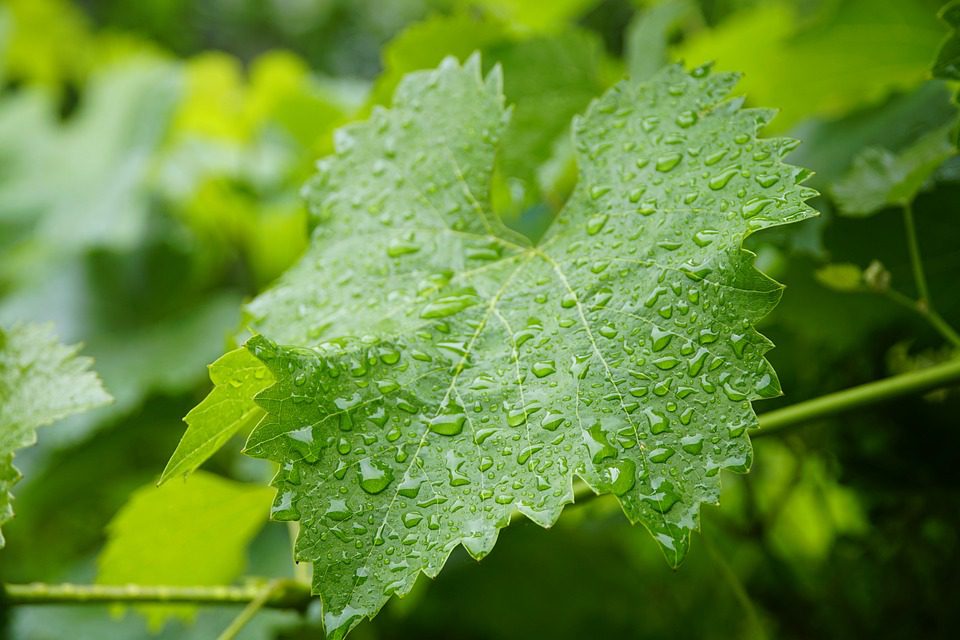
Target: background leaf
x=41 y=381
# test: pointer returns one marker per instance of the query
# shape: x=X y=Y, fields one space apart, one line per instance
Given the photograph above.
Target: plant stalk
x=928 y=379
x=286 y=594
x=915 y=260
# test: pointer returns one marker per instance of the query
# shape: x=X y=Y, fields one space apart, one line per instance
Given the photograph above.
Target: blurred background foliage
x=151 y=155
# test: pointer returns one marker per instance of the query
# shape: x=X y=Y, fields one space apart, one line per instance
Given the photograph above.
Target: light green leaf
x=442 y=372
x=648 y=36
x=184 y=533
x=237 y=377
x=424 y=44
x=882 y=179
x=533 y=16
x=41 y=381
x=852 y=53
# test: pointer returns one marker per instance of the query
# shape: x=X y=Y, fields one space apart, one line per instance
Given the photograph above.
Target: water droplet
x=337 y=510
x=687 y=119
x=660 y=338
x=596 y=440
x=756 y=206
x=596 y=223
x=551 y=421
x=448 y=424
x=411 y=519
x=666 y=363
x=668 y=161
x=374 y=476
x=621 y=476
x=658 y=423
x=692 y=444
x=598 y=191
x=543 y=369
x=767 y=180
x=721 y=180
x=449 y=305
x=661 y=454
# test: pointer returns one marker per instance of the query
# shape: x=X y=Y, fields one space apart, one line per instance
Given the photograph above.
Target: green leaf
x=442 y=373
x=41 y=381
x=237 y=377
x=947 y=64
x=882 y=179
x=851 y=53
x=184 y=533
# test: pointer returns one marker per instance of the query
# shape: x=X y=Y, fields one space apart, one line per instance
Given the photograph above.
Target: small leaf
x=442 y=372
x=184 y=533
x=881 y=179
x=41 y=381
x=841 y=277
x=237 y=377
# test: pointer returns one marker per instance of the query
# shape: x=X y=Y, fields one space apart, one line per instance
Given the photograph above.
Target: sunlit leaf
x=184 y=533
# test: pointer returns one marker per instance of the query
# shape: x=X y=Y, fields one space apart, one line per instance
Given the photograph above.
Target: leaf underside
x=41 y=381
x=435 y=372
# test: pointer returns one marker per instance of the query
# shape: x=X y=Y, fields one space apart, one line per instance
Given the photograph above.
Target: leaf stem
x=915 y=260
x=249 y=611
x=923 y=304
x=940 y=375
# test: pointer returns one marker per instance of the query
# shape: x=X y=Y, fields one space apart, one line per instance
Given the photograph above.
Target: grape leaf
x=440 y=372
x=41 y=381
x=237 y=377
x=881 y=179
x=185 y=533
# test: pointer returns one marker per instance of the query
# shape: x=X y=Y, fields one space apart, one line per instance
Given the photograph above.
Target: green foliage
x=501 y=370
x=852 y=53
x=881 y=179
x=184 y=533
x=41 y=381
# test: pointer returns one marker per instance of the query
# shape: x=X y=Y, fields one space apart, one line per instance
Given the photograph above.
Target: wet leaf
x=435 y=372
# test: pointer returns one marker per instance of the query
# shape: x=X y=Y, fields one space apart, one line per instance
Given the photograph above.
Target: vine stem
x=934 y=377
x=293 y=594
x=283 y=594
x=249 y=611
x=923 y=304
x=915 y=260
